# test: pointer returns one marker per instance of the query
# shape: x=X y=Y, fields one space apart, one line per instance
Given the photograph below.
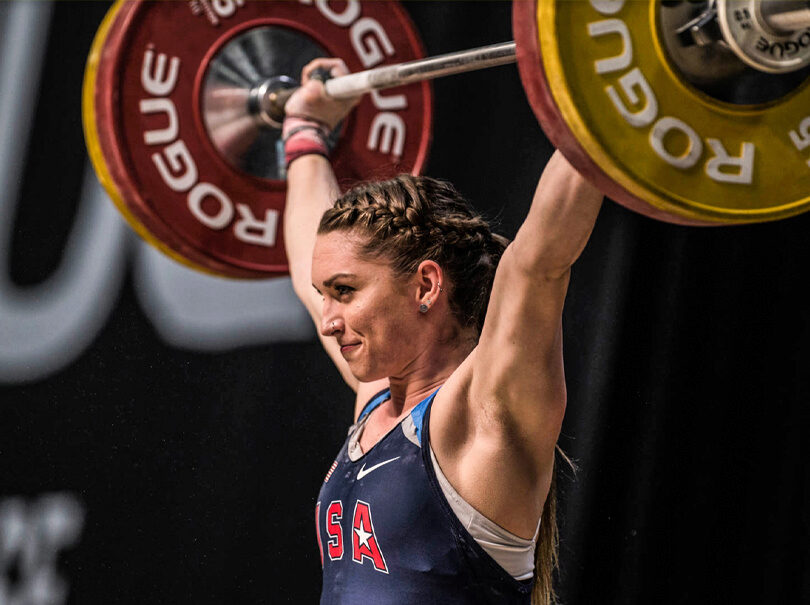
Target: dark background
x=686 y=357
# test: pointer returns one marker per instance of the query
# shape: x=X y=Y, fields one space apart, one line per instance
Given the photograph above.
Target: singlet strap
x=374 y=402
x=418 y=413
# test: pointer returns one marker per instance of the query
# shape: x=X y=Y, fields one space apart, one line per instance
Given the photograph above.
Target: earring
x=423 y=308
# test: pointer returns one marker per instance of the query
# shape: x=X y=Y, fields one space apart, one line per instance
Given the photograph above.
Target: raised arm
x=518 y=364
x=503 y=409
x=560 y=220
x=311 y=190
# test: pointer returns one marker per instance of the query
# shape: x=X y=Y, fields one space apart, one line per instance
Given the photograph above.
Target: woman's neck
x=426 y=373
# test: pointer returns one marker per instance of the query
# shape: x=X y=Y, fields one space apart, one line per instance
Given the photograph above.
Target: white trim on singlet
x=513 y=553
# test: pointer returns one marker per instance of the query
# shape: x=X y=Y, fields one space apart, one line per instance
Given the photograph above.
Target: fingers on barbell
x=332 y=67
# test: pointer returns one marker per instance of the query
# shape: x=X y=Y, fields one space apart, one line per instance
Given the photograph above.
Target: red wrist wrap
x=304 y=136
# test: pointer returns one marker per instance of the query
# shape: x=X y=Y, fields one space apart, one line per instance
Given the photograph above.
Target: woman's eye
x=343 y=289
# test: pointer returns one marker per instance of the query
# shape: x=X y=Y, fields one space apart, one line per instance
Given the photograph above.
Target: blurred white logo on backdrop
x=46 y=327
x=31 y=538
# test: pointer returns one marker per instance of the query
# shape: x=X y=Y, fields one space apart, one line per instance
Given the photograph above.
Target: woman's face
x=371 y=313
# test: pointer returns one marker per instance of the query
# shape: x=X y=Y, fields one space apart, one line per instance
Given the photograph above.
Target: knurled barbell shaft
x=272 y=101
x=389 y=76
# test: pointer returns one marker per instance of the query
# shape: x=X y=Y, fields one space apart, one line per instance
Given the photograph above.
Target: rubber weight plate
x=167 y=125
x=603 y=82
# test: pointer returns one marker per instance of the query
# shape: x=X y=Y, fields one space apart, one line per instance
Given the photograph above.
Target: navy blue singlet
x=388 y=536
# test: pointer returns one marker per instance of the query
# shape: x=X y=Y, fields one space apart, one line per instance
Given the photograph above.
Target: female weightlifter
x=452 y=341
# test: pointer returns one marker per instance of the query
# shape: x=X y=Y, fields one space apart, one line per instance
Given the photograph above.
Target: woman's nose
x=330 y=327
x=331 y=323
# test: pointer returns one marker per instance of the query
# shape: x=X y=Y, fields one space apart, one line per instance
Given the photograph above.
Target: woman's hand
x=311 y=100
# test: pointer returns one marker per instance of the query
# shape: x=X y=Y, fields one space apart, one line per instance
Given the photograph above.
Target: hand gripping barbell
x=689 y=112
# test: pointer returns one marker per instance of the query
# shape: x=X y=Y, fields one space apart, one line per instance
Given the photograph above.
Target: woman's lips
x=347 y=348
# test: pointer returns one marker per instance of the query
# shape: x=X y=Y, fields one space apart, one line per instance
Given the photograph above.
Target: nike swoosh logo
x=363 y=472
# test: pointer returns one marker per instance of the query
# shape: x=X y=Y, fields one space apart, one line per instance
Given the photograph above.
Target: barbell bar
x=273 y=94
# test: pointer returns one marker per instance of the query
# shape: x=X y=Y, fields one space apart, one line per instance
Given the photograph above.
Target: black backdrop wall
x=160 y=452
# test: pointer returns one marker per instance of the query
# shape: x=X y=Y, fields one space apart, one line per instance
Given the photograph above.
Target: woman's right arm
x=312 y=189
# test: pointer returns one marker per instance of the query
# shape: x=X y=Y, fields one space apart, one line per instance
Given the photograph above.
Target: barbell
x=695 y=113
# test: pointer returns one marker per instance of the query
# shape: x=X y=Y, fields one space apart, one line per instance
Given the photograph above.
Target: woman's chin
x=365 y=374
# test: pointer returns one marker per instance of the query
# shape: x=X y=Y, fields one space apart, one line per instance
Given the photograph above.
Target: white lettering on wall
x=45 y=327
x=32 y=534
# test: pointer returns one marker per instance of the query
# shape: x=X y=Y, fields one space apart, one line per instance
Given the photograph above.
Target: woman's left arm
x=517 y=375
x=495 y=435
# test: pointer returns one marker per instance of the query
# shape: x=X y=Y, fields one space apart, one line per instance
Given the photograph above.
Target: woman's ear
x=429 y=278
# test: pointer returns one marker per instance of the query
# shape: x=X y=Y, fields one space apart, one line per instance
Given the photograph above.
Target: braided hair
x=410 y=219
